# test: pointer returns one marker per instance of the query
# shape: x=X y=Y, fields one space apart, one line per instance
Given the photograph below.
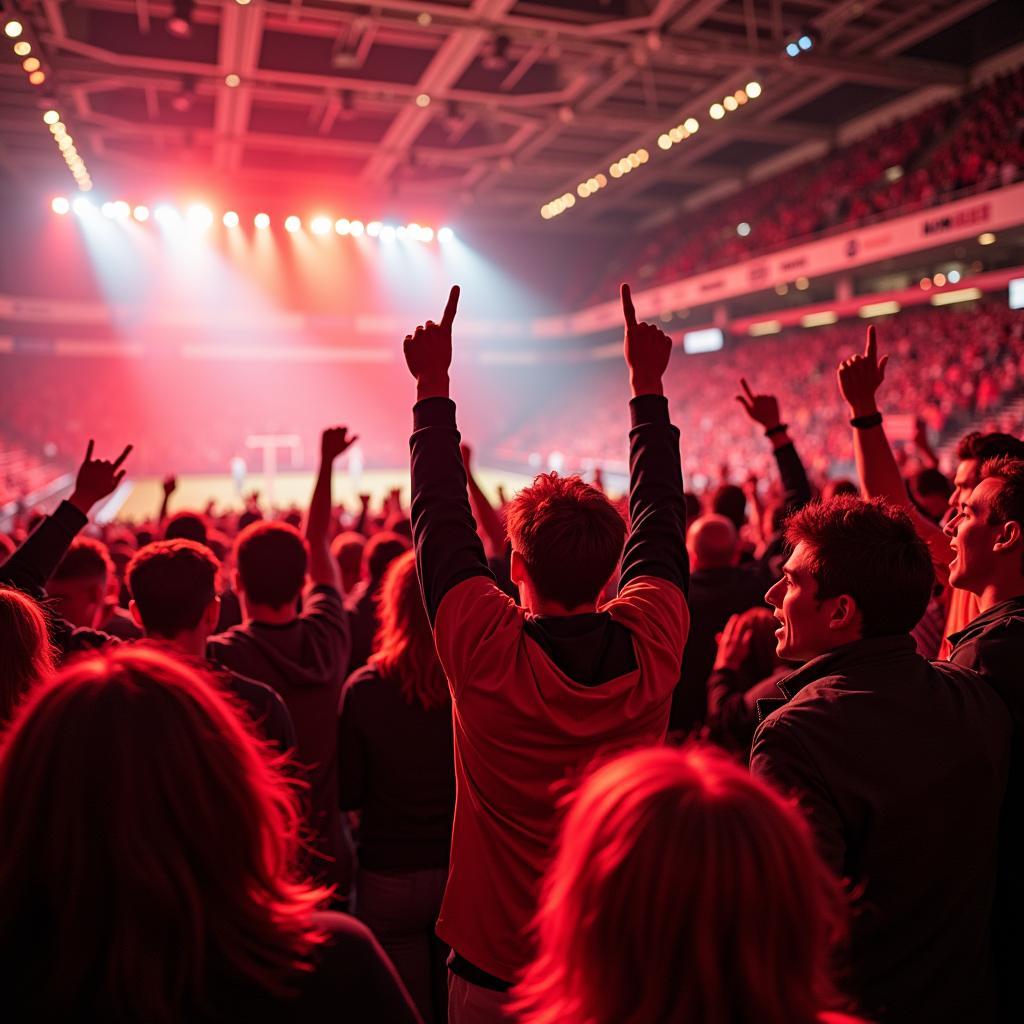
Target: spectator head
x=930 y=488
x=707 y=877
x=712 y=542
x=730 y=501
x=271 y=561
x=839 y=487
x=567 y=539
x=248 y=517
x=28 y=655
x=858 y=569
x=186 y=526
x=975 y=449
x=347 y=549
x=173 y=586
x=81 y=584
x=380 y=551
x=987 y=532
x=192 y=803
x=762 y=659
x=404 y=645
x=693 y=506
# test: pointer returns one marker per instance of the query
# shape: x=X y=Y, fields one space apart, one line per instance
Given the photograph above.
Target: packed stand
x=896 y=169
x=953 y=366
x=217 y=806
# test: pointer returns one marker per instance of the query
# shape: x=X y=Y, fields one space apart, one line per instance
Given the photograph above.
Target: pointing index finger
x=453 y=304
x=871 y=345
x=627 y=306
x=88 y=450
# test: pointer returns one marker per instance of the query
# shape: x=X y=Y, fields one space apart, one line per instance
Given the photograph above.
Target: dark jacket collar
x=835 y=662
x=1011 y=609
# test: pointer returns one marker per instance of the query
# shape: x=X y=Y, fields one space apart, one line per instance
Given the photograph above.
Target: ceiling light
x=121 y=210
x=802 y=284
x=792 y=50
x=321 y=225
x=23 y=48
x=179 y=24
x=423 y=19
x=60 y=204
x=232 y=81
x=387 y=233
x=743 y=229
x=261 y=221
x=199 y=217
x=51 y=117
x=764 y=327
x=292 y=224
x=691 y=124
x=805 y=42
x=13 y=29
x=342 y=226
x=82 y=206
x=753 y=89
x=426 y=234
x=373 y=228
x=356 y=228
x=961 y=295
x=730 y=103
x=879 y=309
x=423 y=100
x=31 y=64
x=445 y=235
x=939 y=280
x=141 y=213
x=664 y=142
x=230 y=219
x=986 y=238
x=37 y=78
x=953 y=277
x=717 y=111
x=822 y=319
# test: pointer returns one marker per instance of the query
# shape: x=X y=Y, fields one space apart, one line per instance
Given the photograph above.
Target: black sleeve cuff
x=648 y=409
x=71 y=518
x=433 y=412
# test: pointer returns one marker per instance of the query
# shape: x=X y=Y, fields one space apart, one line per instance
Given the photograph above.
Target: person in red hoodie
x=543 y=687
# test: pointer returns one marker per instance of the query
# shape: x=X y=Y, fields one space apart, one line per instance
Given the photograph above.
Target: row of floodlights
x=201 y=217
x=587 y=188
x=30 y=64
x=66 y=145
x=690 y=126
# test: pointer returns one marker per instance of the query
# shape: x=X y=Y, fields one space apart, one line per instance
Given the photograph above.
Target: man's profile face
x=972 y=538
x=804 y=630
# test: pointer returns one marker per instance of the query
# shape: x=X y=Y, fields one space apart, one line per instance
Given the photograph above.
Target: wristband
x=865 y=422
x=779 y=428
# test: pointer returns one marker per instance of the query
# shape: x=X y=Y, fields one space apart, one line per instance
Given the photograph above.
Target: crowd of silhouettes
x=748 y=756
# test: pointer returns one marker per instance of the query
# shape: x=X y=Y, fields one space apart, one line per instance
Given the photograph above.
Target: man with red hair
x=542 y=688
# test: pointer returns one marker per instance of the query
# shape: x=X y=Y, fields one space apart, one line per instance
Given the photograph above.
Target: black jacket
x=900 y=764
x=993 y=644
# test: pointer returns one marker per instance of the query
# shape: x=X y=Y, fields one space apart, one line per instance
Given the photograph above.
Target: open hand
x=733 y=644
x=763 y=409
x=860 y=376
x=334 y=441
x=96 y=479
x=428 y=351
x=647 y=350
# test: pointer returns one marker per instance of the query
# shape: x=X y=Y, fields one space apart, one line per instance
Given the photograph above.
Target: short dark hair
x=186 y=526
x=172 y=583
x=1008 y=505
x=977 y=445
x=569 y=535
x=272 y=561
x=380 y=551
x=871 y=551
x=347 y=549
x=932 y=481
x=86 y=559
x=730 y=501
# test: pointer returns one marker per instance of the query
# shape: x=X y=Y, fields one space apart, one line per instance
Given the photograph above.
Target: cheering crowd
x=748 y=758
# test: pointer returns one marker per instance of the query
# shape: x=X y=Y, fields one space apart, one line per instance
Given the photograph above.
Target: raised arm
x=170 y=486
x=657 y=512
x=323 y=569
x=448 y=549
x=35 y=560
x=859 y=378
x=484 y=512
x=764 y=409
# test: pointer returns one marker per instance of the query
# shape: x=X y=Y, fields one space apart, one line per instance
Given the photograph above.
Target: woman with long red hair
x=683 y=892
x=148 y=846
x=396 y=769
